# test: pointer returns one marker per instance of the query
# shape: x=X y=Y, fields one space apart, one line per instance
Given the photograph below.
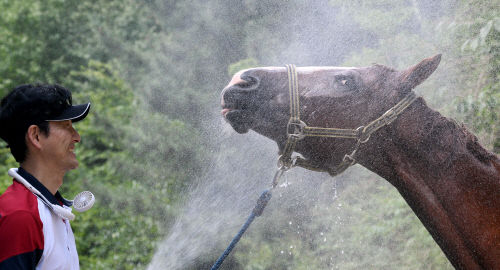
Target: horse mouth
x=240 y=101
x=239 y=119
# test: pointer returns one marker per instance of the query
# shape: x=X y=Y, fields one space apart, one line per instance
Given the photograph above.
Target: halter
x=297 y=130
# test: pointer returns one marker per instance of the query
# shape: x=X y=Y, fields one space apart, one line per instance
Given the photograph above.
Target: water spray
x=297 y=130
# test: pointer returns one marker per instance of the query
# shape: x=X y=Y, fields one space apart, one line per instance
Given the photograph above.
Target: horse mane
x=448 y=140
x=476 y=149
x=384 y=68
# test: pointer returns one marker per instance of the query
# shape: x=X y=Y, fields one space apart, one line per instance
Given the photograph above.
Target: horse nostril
x=240 y=92
x=248 y=82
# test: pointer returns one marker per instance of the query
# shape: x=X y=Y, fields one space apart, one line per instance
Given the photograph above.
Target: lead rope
x=256 y=212
x=296 y=131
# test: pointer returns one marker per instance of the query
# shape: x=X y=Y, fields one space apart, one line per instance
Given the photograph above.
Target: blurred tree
x=89 y=47
x=477 y=39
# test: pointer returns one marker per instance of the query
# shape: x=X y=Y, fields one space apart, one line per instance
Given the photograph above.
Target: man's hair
x=28 y=105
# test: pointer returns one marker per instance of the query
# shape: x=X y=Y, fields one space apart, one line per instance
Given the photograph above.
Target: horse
x=334 y=117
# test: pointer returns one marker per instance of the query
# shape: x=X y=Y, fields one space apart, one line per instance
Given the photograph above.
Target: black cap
x=74 y=113
x=30 y=104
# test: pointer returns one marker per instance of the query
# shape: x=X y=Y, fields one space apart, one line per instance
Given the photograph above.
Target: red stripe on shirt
x=21 y=229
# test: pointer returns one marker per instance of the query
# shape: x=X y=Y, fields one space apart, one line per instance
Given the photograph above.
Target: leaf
x=474 y=44
x=485 y=31
x=462 y=48
x=242 y=64
x=497 y=24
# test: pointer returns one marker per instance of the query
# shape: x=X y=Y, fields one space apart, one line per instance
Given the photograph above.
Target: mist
x=241 y=166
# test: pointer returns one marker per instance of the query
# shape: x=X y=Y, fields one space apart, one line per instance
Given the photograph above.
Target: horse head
x=329 y=97
x=449 y=180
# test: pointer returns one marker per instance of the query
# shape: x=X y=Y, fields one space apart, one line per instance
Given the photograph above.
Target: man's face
x=58 y=147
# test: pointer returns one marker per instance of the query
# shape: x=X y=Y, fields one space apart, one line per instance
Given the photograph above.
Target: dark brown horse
x=449 y=180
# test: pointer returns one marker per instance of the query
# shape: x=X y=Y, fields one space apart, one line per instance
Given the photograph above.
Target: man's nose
x=76 y=136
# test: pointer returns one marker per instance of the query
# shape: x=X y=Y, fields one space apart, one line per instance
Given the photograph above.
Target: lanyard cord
x=56 y=209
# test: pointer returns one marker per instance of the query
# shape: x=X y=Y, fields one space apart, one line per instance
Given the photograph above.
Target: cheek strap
x=297 y=129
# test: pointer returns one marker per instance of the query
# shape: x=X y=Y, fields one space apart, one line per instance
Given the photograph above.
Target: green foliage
x=86 y=46
x=479 y=107
x=111 y=235
x=114 y=238
x=242 y=64
x=7 y=161
x=45 y=40
x=381 y=17
x=467 y=35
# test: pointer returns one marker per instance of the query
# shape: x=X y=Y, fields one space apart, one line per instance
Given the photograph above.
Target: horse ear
x=416 y=74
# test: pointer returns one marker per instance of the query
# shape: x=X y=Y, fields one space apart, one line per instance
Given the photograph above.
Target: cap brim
x=73 y=113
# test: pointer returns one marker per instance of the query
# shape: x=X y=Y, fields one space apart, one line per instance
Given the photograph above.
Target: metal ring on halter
x=296 y=129
x=285 y=165
x=277 y=176
x=362 y=135
x=350 y=159
x=280 y=163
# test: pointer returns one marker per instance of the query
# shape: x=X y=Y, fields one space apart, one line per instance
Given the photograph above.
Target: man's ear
x=33 y=136
x=416 y=74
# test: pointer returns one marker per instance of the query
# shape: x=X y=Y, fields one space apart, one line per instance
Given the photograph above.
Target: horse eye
x=343 y=80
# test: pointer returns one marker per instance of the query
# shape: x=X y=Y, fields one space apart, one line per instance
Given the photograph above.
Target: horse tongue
x=225 y=111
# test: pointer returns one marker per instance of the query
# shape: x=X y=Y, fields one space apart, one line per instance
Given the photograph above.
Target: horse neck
x=449 y=180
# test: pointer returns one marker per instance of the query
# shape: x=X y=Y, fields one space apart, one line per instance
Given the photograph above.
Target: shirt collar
x=54 y=199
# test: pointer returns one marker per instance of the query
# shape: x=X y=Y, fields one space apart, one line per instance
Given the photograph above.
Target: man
x=36 y=121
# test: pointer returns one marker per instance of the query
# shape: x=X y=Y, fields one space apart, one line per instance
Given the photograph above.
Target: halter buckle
x=349 y=159
x=389 y=116
x=295 y=129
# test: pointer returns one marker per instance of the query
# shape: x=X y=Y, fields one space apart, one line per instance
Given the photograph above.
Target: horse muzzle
x=239 y=101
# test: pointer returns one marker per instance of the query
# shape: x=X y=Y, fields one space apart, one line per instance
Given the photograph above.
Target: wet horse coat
x=448 y=179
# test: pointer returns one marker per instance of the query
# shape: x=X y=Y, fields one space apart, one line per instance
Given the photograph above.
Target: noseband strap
x=297 y=129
